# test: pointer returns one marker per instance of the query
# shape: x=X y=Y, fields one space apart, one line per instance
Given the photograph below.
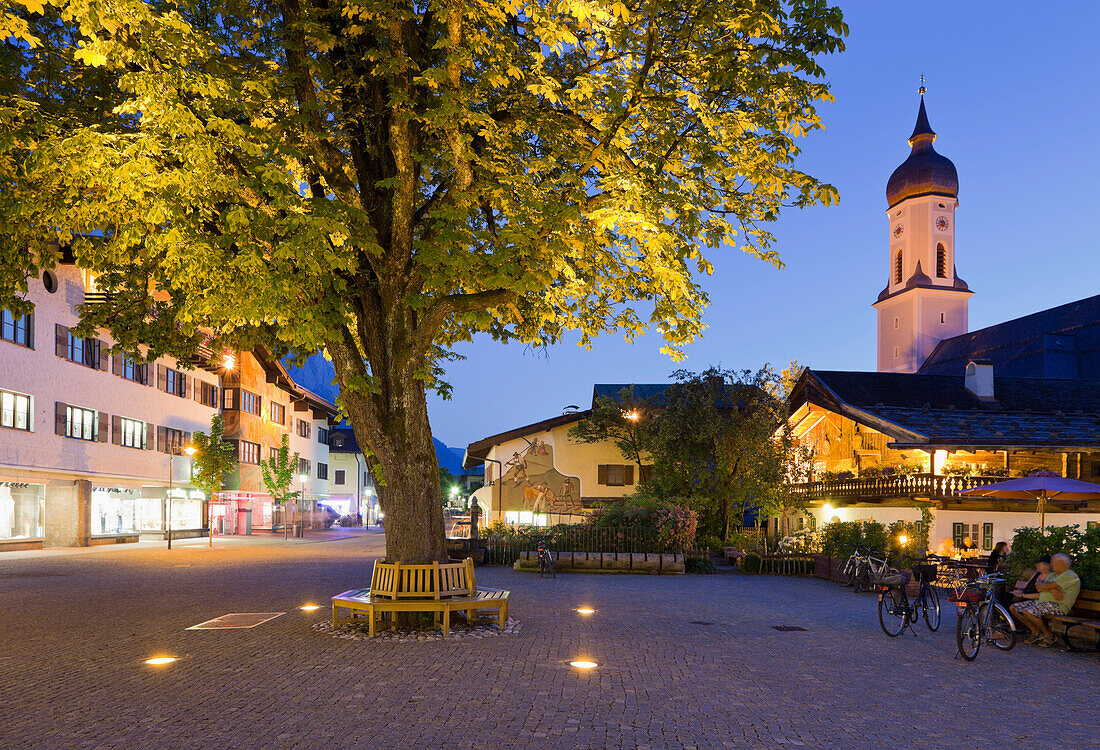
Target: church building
x=949 y=408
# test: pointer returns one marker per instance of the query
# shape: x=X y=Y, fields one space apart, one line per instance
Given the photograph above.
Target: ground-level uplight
x=582 y=664
x=309 y=607
x=158 y=660
x=586 y=611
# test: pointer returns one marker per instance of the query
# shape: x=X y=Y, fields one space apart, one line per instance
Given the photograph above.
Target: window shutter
x=59 y=418
x=117 y=362
x=104 y=425
x=601 y=474
x=61 y=341
x=183 y=384
x=30 y=331
x=987 y=536
x=146 y=443
x=186 y=438
x=197 y=394
x=116 y=429
x=162 y=438
x=957 y=534
x=628 y=475
x=104 y=357
x=160 y=376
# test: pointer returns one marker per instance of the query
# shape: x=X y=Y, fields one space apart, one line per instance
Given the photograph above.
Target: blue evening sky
x=1012 y=93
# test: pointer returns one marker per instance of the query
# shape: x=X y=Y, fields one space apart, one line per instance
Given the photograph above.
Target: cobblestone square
x=684 y=662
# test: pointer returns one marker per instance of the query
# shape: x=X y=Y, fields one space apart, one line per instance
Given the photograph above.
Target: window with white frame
x=82 y=424
x=132 y=433
x=248 y=452
x=16 y=411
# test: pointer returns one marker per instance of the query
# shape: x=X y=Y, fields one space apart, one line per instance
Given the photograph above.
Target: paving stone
x=78 y=627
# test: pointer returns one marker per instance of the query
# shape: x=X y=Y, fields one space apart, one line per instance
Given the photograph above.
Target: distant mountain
x=317 y=375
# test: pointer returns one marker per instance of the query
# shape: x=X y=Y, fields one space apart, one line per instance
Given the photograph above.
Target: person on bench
x=1042 y=570
x=1057 y=595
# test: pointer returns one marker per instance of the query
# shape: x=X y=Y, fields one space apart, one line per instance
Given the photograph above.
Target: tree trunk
x=391 y=425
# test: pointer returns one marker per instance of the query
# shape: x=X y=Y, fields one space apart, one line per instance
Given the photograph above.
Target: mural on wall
x=532 y=483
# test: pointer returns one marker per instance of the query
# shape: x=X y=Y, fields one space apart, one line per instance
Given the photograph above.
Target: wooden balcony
x=876 y=489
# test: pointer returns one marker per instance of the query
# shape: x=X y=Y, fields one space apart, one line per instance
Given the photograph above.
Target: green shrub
x=674 y=523
x=743 y=542
x=750 y=563
x=840 y=538
x=699 y=564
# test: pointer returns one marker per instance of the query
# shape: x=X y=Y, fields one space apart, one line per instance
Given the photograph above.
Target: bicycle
x=982 y=618
x=870 y=570
x=858 y=569
x=895 y=613
x=546 y=560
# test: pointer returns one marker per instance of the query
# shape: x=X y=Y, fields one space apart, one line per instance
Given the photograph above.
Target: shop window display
x=115 y=510
x=22 y=509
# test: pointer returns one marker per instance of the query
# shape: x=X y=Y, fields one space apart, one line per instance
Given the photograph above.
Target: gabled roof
x=477 y=451
x=278 y=374
x=650 y=392
x=937 y=411
x=1063 y=341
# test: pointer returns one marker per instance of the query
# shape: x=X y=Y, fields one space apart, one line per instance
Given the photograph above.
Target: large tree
x=384 y=179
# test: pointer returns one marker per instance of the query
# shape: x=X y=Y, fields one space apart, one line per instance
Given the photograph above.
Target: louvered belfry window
x=941 y=261
x=897 y=268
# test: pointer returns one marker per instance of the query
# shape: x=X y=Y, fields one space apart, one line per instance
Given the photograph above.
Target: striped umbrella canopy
x=1040 y=488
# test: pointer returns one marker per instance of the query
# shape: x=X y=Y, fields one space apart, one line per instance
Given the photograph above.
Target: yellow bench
x=440 y=588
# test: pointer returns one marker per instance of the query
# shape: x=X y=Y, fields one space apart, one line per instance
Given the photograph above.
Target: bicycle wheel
x=931 y=607
x=1001 y=632
x=892 y=613
x=968 y=633
x=846 y=576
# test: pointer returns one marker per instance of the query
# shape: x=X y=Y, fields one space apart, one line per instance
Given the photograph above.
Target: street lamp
x=190 y=451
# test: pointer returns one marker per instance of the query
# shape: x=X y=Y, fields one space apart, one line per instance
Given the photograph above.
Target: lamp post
x=190 y=451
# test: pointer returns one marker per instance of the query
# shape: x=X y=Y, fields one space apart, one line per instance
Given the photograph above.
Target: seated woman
x=996 y=557
x=1042 y=570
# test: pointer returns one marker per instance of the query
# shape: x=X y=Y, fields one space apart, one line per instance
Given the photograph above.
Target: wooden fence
x=787 y=565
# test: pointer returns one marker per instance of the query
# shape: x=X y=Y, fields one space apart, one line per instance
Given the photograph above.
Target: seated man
x=1056 y=597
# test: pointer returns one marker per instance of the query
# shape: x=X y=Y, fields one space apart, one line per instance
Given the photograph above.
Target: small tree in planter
x=278 y=473
x=213 y=459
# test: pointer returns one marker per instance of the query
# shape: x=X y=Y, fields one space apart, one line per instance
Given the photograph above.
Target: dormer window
x=897 y=268
x=941 y=261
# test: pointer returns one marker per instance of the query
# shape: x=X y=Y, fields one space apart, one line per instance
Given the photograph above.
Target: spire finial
x=922 y=88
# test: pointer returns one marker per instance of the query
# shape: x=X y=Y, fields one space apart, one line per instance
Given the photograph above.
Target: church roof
x=937 y=411
x=1062 y=342
x=925 y=172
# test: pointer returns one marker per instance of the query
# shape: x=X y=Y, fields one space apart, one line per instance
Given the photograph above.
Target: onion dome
x=925 y=172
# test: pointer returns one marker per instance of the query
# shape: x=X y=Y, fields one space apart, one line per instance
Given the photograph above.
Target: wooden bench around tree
x=1085 y=614
x=439 y=588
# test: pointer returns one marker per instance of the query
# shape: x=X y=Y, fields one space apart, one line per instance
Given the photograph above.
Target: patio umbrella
x=1040 y=488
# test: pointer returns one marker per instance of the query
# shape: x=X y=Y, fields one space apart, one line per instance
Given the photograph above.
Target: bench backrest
x=1087 y=605
x=435 y=581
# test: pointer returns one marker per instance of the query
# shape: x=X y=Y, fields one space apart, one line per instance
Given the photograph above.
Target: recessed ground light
x=586 y=611
x=161 y=660
x=584 y=664
x=310 y=607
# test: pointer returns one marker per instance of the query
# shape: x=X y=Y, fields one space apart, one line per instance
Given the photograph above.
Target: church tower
x=924 y=301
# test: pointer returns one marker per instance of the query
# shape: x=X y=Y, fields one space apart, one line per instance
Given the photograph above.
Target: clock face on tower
x=942 y=223
x=899 y=230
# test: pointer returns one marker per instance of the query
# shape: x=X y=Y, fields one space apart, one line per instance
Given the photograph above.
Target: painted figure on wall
x=529 y=481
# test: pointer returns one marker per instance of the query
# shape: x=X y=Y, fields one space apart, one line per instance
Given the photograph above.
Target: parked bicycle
x=862 y=569
x=546 y=560
x=895 y=612
x=982 y=618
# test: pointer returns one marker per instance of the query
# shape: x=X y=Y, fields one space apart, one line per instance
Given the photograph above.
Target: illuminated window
x=131 y=433
x=15 y=411
x=897 y=268
x=82 y=424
